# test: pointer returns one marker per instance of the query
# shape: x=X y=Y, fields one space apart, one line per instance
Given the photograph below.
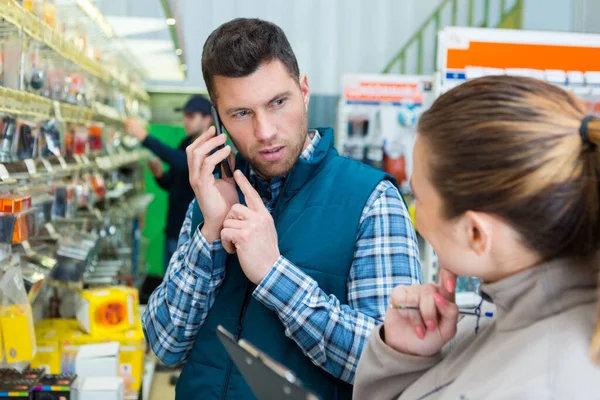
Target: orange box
x=13 y=204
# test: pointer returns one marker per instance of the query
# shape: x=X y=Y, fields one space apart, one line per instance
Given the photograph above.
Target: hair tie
x=583 y=131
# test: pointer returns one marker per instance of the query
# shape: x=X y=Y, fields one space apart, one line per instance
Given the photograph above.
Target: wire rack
x=21 y=28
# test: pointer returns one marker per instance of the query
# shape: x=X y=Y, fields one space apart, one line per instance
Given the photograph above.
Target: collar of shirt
x=269 y=191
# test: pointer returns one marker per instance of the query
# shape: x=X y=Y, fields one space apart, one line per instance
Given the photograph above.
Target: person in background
x=507 y=185
x=296 y=253
x=196 y=119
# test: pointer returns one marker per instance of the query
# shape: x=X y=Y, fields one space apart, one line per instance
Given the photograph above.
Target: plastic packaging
x=394 y=160
x=17 y=218
x=69 y=139
x=50 y=12
x=75 y=252
x=16 y=321
x=50 y=130
x=80 y=142
x=25 y=140
x=8 y=126
x=95 y=138
x=64 y=204
x=35 y=70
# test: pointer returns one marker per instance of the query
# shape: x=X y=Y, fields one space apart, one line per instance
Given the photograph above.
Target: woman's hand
x=425 y=331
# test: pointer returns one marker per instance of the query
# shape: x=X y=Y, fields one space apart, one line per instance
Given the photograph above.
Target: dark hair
x=511 y=147
x=238 y=47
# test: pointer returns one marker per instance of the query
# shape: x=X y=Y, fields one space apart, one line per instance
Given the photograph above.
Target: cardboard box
x=131 y=356
x=131 y=353
x=48 y=350
x=17 y=333
x=49 y=334
x=16 y=388
x=107 y=310
x=95 y=388
x=54 y=387
x=100 y=360
x=10 y=374
x=58 y=324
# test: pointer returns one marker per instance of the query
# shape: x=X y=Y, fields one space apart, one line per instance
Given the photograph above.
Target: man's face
x=265 y=114
x=195 y=123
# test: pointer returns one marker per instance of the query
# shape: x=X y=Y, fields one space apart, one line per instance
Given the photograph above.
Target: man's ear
x=305 y=89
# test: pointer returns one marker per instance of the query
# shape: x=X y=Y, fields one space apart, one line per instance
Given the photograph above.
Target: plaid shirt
x=331 y=334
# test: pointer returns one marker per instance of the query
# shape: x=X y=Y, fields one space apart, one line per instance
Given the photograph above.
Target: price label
x=57 y=110
x=63 y=163
x=51 y=230
x=4 y=175
x=47 y=165
x=27 y=247
x=97 y=213
x=30 y=164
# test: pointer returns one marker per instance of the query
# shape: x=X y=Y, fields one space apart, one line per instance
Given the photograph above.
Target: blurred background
x=91 y=204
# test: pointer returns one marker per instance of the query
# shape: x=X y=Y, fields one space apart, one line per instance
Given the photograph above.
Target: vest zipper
x=237 y=334
x=247 y=295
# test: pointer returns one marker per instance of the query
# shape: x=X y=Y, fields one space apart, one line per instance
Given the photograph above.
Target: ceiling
x=330 y=37
x=143 y=26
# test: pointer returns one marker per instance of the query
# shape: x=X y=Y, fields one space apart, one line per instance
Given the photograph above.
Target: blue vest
x=317 y=219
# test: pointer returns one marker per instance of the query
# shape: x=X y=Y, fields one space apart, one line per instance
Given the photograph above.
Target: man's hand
x=135 y=128
x=215 y=196
x=156 y=168
x=250 y=232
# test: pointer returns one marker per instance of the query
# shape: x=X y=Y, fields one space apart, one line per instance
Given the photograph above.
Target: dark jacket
x=175 y=181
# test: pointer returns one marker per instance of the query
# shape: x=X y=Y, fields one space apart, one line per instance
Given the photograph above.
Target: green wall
x=156 y=216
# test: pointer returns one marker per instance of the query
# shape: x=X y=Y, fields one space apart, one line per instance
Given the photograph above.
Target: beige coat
x=536 y=346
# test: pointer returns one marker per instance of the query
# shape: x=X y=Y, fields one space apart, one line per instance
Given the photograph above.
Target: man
x=196 y=119
x=298 y=259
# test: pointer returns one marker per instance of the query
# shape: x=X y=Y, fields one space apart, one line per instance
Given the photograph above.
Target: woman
x=506 y=179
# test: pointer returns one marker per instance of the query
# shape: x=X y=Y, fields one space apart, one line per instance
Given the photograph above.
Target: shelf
x=116 y=161
x=104 y=113
x=28 y=169
x=76 y=114
x=40 y=31
x=22 y=103
x=16 y=102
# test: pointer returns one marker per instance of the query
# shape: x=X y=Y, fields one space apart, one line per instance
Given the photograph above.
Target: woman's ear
x=479 y=232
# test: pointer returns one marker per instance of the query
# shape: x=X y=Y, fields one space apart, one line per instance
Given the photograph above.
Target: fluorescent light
x=179 y=52
x=171 y=21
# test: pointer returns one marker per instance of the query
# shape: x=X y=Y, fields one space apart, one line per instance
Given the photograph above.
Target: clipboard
x=267 y=378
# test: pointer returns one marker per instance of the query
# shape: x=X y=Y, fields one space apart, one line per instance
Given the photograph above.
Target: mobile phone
x=219 y=128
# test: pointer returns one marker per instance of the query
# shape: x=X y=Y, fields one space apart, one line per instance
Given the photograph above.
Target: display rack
x=377 y=117
x=40 y=31
x=71 y=182
x=17 y=102
x=112 y=81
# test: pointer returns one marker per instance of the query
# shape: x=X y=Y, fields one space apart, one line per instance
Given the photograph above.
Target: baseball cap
x=196 y=103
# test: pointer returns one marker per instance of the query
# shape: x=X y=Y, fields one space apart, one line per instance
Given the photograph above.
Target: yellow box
x=18 y=335
x=131 y=352
x=48 y=350
x=107 y=310
x=49 y=334
x=60 y=325
x=131 y=356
